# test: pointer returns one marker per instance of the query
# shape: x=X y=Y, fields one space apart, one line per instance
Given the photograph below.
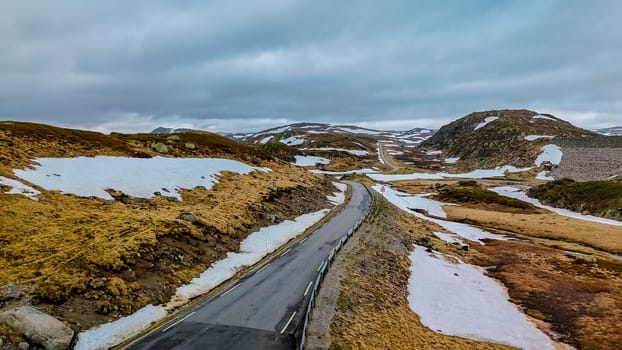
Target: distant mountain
x=310 y=132
x=163 y=130
x=613 y=131
x=501 y=137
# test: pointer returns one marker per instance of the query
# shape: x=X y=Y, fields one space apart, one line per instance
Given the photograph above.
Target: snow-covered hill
x=613 y=131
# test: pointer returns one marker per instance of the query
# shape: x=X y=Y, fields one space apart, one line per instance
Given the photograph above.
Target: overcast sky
x=248 y=65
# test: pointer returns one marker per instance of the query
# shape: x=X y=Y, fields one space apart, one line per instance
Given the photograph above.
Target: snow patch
x=293 y=141
x=486 y=121
x=357 y=171
x=543 y=176
x=516 y=193
x=458 y=299
x=537 y=137
x=433 y=153
x=310 y=160
x=356 y=152
x=138 y=177
x=449 y=238
x=110 y=334
x=19 y=188
x=265 y=140
x=540 y=116
x=453 y=160
x=408 y=203
x=339 y=196
x=551 y=153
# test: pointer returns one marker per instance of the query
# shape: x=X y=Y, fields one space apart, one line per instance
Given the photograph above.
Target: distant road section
x=384 y=157
x=265 y=309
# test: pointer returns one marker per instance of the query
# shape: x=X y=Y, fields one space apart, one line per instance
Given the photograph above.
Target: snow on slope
x=537 y=137
x=293 y=141
x=458 y=299
x=486 y=121
x=356 y=152
x=310 y=160
x=265 y=140
x=252 y=249
x=550 y=153
x=19 y=188
x=516 y=193
x=138 y=177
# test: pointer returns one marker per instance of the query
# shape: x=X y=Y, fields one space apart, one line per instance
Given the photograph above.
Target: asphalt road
x=384 y=158
x=264 y=310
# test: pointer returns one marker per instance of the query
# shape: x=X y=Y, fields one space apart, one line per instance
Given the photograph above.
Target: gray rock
x=188 y=217
x=173 y=138
x=1 y=341
x=39 y=327
x=23 y=345
x=190 y=146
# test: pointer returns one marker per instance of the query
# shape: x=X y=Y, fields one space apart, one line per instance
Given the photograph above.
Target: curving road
x=265 y=309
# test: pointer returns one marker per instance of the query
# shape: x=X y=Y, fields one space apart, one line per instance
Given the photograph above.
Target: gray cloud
x=242 y=65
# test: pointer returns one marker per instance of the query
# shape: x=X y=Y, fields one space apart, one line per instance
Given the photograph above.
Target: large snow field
x=459 y=299
x=516 y=193
x=551 y=153
x=19 y=188
x=475 y=174
x=252 y=249
x=310 y=160
x=138 y=177
x=407 y=202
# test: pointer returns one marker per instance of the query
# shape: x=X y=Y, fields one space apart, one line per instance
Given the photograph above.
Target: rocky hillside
x=500 y=137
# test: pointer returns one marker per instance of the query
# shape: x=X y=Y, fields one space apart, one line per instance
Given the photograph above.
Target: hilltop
x=501 y=137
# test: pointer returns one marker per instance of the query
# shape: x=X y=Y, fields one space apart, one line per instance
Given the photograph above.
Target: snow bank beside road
x=138 y=177
x=458 y=299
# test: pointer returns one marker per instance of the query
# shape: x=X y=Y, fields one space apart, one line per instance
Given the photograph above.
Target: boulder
x=23 y=345
x=190 y=146
x=39 y=327
x=173 y=138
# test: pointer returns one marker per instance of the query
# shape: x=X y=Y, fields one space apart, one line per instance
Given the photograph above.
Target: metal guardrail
x=324 y=270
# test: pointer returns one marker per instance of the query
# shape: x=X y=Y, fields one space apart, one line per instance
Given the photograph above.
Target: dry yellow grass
x=543 y=225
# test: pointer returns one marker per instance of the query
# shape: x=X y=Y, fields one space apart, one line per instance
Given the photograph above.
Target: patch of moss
x=601 y=198
x=470 y=192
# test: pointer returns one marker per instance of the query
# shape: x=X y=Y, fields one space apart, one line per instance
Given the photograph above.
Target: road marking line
x=234 y=287
x=261 y=269
x=302 y=240
x=178 y=322
x=288 y=322
x=287 y=251
x=320 y=267
x=307 y=290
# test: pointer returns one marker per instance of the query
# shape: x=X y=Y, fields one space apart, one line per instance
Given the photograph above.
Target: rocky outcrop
x=39 y=327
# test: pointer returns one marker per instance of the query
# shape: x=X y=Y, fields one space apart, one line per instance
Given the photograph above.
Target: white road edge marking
x=178 y=322
x=287 y=251
x=288 y=322
x=302 y=240
x=234 y=287
x=261 y=269
x=320 y=267
x=308 y=287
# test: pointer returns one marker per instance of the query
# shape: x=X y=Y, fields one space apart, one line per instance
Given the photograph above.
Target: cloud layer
x=243 y=65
